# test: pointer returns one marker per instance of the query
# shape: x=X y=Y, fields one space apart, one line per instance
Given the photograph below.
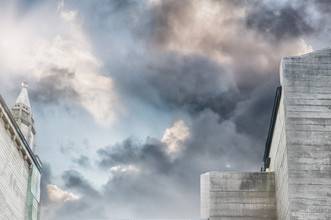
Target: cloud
x=65 y=202
x=175 y=137
x=151 y=153
x=194 y=59
x=54 y=86
x=56 y=194
x=284 y=21
x=74 y=180
x=83 y=161
x=124 y=169
x=46 y=176
x=213 y=63
x=172 y=82
x=213 y=142
x=215 y=28
x=59 y=62
x=210 y=66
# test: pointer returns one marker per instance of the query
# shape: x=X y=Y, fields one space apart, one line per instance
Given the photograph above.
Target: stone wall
x=234 y=196
x=14 y=174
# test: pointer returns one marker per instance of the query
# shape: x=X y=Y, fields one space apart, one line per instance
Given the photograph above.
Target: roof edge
x=266 y=158
x=20 y=134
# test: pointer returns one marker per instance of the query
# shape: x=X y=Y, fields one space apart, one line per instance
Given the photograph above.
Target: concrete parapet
x=235 y=195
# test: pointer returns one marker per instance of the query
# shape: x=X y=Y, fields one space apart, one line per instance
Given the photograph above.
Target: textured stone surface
x=279 y=163
x=19 y=171
x=306 y=82
x=14 y=175
x=234 y=196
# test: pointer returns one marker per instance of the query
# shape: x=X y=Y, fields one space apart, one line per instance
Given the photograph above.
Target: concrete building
x=20 y=168
x=295 y=182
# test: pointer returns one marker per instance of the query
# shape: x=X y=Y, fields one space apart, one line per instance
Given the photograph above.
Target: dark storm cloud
x=82 y=209
x=146 y=192
x=54 y=87
x=149 y=154
x=156 y=27
x=46 y=176
x=323 y=5
x=88 y=207
x=153 y=192
x=159 y=178
x=74 y=180
x=159 y=25
x=289 y=19
x=256 y=111
x=227 y=104
x=211 y=136
x=214 y=143
x=120 y=5
x=162 y=17
x=192 y=79
x=166 y=22
x=285 y=22
x=83 y=161
x=222 y=142
x=191 y=83
x=194 y=83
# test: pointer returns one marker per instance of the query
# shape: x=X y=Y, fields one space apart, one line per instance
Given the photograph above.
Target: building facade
x=20 y=168
x=295 y=181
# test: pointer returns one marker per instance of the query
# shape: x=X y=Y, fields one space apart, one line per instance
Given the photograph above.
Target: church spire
x=22 y=114
x=23 y=97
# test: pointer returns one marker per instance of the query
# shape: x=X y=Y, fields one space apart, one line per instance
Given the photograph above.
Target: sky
x=134 y=99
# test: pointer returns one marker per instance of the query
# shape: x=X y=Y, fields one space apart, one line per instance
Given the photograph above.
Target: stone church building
x=20 y=168
x=295 y=180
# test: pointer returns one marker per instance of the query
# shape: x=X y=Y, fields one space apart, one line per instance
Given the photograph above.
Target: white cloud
x=124 y=169
x=58 y=195
x=175 y=137
x=29 y=50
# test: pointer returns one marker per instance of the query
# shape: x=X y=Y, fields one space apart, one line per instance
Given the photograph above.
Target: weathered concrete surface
x=279 y=163
x=244 y=196
x=306 y=82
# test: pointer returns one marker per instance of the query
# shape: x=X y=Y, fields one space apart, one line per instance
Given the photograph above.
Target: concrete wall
x=297 y=184
x=234 y=196
x=14 y=175
x=278 y=163
x=306 y=82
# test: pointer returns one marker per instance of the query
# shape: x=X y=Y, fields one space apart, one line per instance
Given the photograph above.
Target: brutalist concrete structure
x=295 y=182
x=234 y=195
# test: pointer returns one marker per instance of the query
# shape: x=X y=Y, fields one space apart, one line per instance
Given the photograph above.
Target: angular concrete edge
x=238 y=195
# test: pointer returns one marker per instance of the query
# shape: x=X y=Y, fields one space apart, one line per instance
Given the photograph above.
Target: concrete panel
x=279 y=163
x=234 y=196
x=306 y=82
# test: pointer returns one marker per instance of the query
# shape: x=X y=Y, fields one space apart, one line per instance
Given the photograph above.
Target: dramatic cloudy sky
x=134 y=99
